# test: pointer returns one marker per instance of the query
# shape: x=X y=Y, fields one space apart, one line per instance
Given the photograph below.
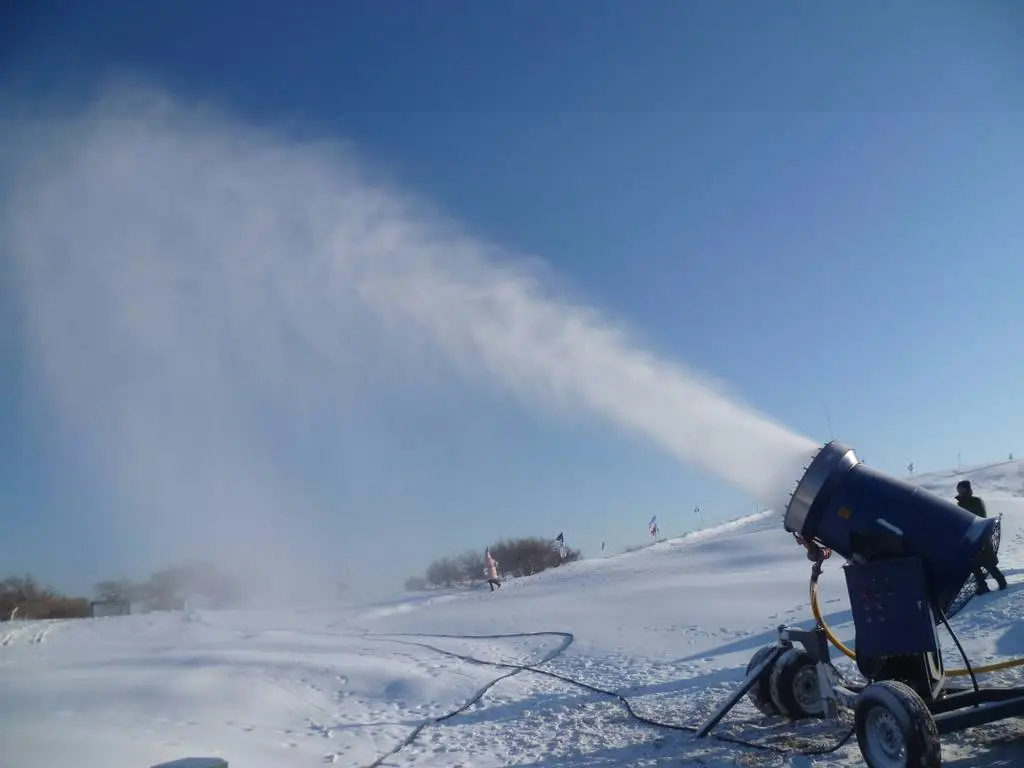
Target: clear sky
x=819 y=204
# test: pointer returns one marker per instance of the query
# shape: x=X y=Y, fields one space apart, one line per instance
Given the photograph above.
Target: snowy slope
x=670 y=628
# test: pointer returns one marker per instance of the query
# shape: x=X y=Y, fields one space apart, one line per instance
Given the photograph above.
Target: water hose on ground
x=567 y=640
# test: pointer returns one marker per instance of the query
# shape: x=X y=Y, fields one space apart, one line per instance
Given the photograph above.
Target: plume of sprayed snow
x=189 y=279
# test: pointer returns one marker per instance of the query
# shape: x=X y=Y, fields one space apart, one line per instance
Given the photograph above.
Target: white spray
x=186 y=277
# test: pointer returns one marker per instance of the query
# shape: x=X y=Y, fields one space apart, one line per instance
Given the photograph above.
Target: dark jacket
x=972 y=504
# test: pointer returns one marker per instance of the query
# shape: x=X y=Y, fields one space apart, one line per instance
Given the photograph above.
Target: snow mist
x=189 y=280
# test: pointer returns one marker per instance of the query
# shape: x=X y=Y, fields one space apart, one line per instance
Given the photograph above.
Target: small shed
x=110 y=607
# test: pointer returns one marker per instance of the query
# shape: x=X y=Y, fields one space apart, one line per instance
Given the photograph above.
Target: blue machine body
x=890 y=612
x=866 y=515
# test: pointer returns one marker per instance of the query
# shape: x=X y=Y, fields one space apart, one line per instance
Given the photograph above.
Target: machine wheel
x=794 y=685
x=760 y=694
x=894 y=727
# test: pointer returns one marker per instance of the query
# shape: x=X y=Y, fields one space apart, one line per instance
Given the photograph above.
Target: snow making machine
x=910 y=556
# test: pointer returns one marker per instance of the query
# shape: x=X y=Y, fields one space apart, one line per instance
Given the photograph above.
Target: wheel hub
x=805 y=690
x=885 y=744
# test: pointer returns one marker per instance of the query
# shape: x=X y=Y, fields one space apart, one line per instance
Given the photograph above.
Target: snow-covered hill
x=670 y=628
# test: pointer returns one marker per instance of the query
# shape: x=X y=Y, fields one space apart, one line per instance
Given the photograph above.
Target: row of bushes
x=517 y=557
x=171 y=588
x=23 y=598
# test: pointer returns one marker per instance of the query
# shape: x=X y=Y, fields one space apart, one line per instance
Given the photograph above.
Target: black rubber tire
x=760 y=694
x=794 y=686
x=896 y=708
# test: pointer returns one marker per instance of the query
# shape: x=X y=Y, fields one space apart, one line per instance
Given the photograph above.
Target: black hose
x=963 y=654
x=515 y=669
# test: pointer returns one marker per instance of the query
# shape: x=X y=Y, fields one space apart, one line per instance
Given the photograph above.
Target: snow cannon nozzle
x=865 y=515
x=832 y=460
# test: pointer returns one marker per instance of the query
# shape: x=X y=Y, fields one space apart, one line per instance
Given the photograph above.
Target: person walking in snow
x=966 y=499
x=492 y=570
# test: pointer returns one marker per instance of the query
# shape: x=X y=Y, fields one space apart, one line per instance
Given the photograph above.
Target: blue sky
x=816 y=204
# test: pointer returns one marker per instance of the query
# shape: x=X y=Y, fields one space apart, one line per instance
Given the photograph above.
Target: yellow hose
x=850 y=654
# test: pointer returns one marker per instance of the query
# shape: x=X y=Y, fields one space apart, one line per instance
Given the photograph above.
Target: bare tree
x=22 y=594
x=519 y=557
x=471 y=565
x=443 y=572
x=525 y=557
x=415 y=584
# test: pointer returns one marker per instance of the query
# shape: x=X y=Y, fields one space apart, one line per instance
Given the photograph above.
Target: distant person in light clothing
x=967 y=500
x=492 y=571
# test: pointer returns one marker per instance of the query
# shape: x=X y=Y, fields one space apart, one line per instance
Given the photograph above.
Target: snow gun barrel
x=863 y=515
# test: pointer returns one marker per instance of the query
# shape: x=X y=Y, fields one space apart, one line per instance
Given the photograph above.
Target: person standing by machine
x=966 y=499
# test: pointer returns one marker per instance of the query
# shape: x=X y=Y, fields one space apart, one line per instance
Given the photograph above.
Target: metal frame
x=740 y=692
x=953 y=709
x=970 y=708
x=815 y=642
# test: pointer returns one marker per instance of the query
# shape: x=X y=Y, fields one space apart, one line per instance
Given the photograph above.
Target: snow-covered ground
x=670 y=628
